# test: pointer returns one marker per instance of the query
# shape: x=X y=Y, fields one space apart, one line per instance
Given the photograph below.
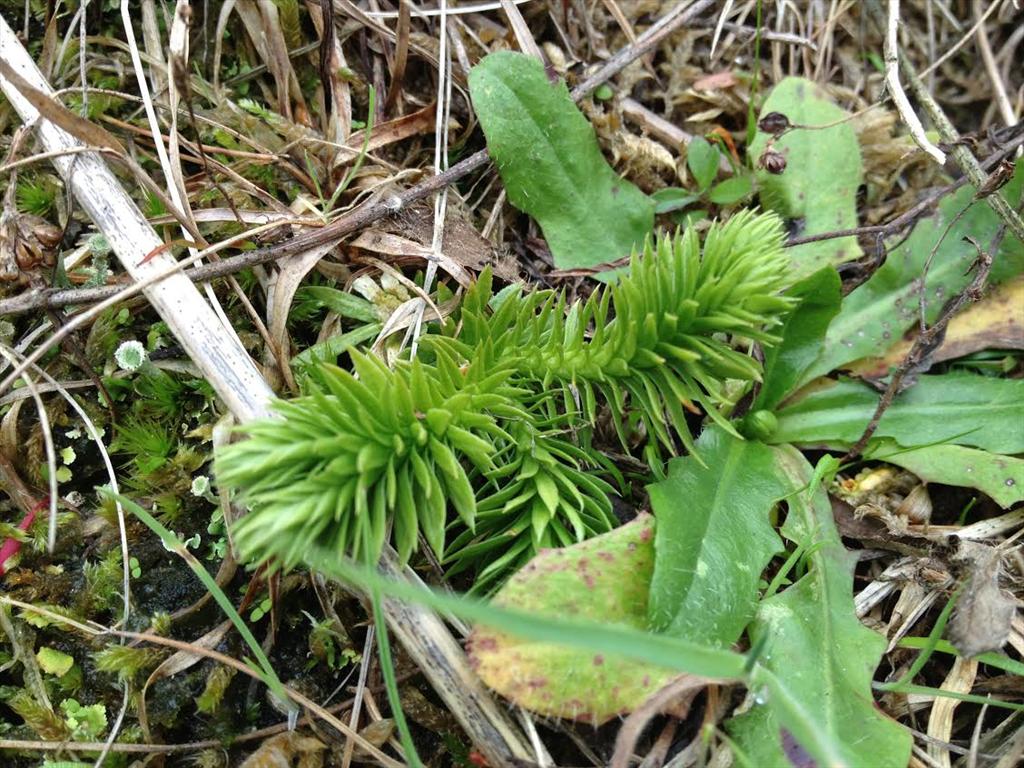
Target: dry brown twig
x=960 y=151
x=375 y=209
x=926 y=343
x=931 y=337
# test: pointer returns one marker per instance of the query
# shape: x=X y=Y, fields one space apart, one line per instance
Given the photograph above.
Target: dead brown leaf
x=995 y=322
x=377 y=733
x=674 y=698
x=287 y=750
x=940 y=721
x=393 y=245
x=715 y=81
x=462 y=243
x=82 y=129
x=984 y=613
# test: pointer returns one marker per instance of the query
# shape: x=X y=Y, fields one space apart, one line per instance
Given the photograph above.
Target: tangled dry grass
x=276 y=147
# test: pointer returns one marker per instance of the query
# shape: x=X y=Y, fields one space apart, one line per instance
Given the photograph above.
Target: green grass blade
x=387 y=668
x=656 y=649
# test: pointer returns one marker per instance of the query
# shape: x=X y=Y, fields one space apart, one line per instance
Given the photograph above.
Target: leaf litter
x=863 y=592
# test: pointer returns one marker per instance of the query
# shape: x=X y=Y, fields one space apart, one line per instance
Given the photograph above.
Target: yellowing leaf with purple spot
x=604 y=579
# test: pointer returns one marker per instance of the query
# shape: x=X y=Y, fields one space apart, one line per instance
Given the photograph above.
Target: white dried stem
x=987 y=57
x=892 y=81
x=226 y=366
x=521 y=30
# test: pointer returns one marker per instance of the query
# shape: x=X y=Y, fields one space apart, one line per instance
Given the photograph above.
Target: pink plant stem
x=11 y=546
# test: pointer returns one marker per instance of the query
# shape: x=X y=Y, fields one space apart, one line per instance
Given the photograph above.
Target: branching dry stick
x=961 y=152
x=930 y=338
x=927 y=342
x=373 y=211
x=653 y=35
x=907 y=218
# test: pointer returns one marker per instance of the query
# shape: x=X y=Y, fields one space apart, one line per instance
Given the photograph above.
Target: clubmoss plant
x=37 y=196
x=492 y=420
x=127 y=662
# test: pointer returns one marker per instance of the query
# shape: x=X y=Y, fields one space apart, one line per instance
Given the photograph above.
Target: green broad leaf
x=702 y=160
x=686 y=219
x=547 y=154
x=959 y=408
x=818 y=188
x=604 y=579
x=343 y=303
x=672 y=199
x=732 y=190
x=999 y=477
x=714 y=538
x=802 y=333
x=818 y=649
x=875 y=315
x=330 y=349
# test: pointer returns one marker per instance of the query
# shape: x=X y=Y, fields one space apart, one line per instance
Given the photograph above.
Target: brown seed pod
x=49 y=235
x=773 y=162
x=774 y=123
x=997 y=179
x=36 y=241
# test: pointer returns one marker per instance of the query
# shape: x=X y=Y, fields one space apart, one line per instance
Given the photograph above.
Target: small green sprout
x=218 y=536
x=54 y=662
x=86 y=723
x=260 y=610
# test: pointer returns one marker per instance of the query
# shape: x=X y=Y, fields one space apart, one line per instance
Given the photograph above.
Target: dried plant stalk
x=237 y=381
x=227 y=366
